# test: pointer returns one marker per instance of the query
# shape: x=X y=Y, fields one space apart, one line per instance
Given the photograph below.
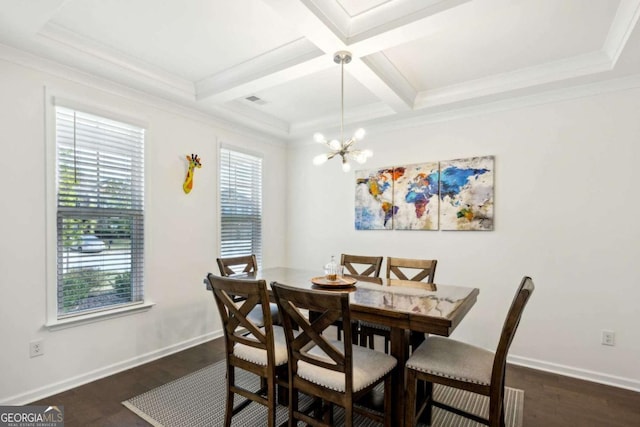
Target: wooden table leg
x=399 y=350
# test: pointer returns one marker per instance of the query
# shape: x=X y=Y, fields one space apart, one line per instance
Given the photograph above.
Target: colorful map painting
x=406 y=197
x=374 y=199
x=466 y=194
x=415 y=194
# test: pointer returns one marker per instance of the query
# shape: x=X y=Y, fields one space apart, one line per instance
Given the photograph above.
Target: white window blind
x=100 y=213
x=240 y=204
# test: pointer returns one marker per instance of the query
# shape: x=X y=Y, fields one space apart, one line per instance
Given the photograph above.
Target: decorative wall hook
x=194 y=162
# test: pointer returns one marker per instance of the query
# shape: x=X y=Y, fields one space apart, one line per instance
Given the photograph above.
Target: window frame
x=258 y=155
x=53 y=320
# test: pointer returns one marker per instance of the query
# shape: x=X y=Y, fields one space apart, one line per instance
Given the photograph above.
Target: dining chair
x=261 y=350
x=401 y=272
x=456 y=364
x=357 y=265
x=237 y=265
x=363 y=268
x=330 y=371
x=246 y=264
x=420 y=270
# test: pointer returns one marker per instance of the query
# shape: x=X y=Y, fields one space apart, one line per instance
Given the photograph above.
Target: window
x=240 y=204
x=100 y=213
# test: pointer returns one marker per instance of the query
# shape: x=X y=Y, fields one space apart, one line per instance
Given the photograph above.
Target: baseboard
x=583 y=374
x=55 y=388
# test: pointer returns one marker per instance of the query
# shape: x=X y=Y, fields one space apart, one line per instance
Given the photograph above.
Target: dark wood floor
x=550 y=400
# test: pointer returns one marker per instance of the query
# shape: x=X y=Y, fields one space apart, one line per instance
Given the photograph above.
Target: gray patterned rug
x=198 y=400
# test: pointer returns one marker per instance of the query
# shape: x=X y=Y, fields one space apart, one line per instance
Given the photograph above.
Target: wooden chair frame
x=362 y=268
x=248 y=262
x=495 y=391
x=369 y=265
x=426 y=274
x=329 y=306
x=239 y=329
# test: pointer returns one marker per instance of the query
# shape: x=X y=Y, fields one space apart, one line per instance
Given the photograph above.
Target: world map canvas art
x=415 y=196
x=466 y=194
x=374 y=199
x=450 y=195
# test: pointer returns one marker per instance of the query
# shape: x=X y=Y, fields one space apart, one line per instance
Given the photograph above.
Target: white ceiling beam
x=266 y=80
x=621 y=28
x=402 y=95
x=317 y=28
x=403 y=22
x=309 y=20
x=262 y=71
x=401 y=31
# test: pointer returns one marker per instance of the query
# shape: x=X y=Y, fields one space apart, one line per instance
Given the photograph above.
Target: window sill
x=70 y=322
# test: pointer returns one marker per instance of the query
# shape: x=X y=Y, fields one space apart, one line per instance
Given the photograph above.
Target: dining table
x=403 y=307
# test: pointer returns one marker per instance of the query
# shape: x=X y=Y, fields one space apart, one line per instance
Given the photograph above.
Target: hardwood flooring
x=550 y=400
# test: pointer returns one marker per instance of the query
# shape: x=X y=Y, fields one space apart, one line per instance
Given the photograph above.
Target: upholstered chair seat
x=368 y=368
x=259 y=356
x=448 y=358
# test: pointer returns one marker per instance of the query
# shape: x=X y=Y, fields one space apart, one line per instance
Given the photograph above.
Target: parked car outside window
x=90 y=243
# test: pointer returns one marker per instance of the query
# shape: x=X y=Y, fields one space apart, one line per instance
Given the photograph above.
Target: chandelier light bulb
x=361 y=157
x=367 y=153
x=346 y=167
x=320 y=159
x=335 y=145
x=319 y=138
x=359 y=134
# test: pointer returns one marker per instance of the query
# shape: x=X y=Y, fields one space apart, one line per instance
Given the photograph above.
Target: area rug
x=198 y=400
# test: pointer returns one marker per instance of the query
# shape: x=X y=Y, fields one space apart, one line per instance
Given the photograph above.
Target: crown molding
x=261 y=120
x=444 y=113
x=128 y=67
x=383 y=18
x=218 y=118
x=528 y=78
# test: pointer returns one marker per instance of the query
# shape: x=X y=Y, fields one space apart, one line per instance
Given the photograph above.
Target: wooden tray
x=340 y=282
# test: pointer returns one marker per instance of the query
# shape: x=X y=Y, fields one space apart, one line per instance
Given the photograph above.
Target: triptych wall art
x=447 y=195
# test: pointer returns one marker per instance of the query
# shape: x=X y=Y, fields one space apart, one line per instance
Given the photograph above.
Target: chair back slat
x=398 y=268
x=236 y=265
x=328 y=307
x=511 y=325
x=235 y=298
x=366 y=266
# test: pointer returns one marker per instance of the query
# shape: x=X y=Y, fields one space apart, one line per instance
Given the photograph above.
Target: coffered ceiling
x=268 y=64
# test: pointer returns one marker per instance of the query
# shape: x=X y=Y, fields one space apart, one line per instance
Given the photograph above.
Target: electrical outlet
x=608 y=338
x=36 y=348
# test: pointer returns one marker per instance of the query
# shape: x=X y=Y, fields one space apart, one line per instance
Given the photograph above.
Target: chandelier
x=344 y=147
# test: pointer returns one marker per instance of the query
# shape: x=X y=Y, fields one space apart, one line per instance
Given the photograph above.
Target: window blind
x=240 y=204
x=100 y=212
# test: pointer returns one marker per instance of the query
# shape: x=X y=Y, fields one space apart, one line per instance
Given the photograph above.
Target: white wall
x=180 y=235
x=566 y=204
